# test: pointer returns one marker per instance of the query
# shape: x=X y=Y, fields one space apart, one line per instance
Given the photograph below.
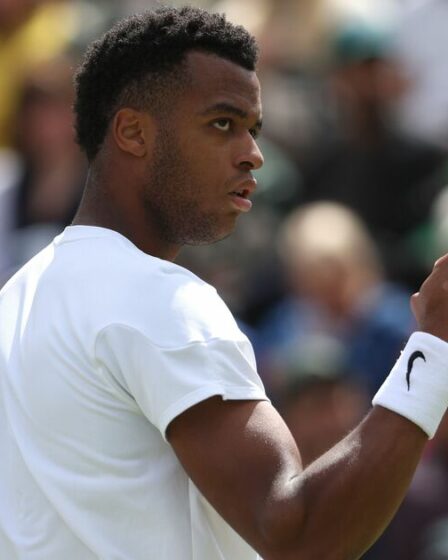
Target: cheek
x=206 y=174
x=201 y=166
x=207 y=155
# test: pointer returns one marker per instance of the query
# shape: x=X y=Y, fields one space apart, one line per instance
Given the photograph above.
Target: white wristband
x=417 y=386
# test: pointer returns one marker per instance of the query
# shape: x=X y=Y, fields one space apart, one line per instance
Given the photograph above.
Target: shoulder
x=165 y=302
x=179 y=294
x=179 y=308
x=102 y=279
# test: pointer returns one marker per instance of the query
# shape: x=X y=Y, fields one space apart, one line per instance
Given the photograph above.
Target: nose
x=250 y=157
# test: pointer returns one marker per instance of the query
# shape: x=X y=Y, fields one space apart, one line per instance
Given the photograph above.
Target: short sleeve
x=167 y=381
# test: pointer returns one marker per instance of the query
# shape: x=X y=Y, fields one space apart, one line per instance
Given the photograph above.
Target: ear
x=133 y=131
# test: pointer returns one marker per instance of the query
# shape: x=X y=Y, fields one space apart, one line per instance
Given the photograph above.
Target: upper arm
x=240 y=455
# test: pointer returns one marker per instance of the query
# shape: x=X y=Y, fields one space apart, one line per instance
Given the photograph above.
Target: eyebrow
x=230 y=109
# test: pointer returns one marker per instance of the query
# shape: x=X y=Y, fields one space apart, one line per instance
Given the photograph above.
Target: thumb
x=441 y=261
x=415 y=304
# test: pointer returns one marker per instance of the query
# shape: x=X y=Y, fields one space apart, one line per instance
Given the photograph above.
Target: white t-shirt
x=101 y=346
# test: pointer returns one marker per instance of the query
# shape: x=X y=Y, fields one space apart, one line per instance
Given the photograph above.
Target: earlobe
x=132 y=132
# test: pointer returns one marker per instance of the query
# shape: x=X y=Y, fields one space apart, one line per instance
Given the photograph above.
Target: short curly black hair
x=135 y=62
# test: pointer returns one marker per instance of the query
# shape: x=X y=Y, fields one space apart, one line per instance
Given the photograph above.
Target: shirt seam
x=166 y=348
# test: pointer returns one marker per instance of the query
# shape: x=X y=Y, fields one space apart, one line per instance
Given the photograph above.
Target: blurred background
x=350 y=212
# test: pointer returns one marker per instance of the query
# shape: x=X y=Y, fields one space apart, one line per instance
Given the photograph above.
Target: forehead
x=216 y=80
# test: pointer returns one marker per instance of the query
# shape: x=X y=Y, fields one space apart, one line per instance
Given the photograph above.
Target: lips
x=242 y=204
x=241 y=192
x=244 y=187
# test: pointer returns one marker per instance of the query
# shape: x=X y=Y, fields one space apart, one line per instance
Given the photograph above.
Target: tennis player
x=133 y=424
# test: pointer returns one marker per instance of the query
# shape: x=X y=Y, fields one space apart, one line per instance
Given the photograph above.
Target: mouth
x=242 y=193
x=240 y=196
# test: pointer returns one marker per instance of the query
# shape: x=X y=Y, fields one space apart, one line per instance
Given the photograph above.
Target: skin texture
x=163 y=187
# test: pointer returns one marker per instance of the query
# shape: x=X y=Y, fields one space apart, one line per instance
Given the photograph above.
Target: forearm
x=343 y=501
x=347 y=497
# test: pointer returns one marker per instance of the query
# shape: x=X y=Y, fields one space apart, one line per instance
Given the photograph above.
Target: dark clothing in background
x=391 y=184
x=419 y=531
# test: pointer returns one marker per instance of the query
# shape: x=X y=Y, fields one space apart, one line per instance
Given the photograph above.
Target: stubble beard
x=170 y=197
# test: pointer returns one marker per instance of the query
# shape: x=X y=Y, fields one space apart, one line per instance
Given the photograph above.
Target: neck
x=104 y=206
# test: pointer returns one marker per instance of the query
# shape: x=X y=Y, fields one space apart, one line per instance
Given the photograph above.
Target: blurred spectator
x=40 y=189
x=389 y=179
x=299 y=33
x=336 y=290
x=31 y=32
x=318 y=398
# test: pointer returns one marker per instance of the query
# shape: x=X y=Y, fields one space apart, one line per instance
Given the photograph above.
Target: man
x=133 y=424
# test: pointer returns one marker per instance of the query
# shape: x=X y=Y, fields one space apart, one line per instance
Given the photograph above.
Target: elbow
x=290 y=533
x=281 y=530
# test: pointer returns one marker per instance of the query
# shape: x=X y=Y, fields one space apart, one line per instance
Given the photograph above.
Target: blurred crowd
x=351 y=208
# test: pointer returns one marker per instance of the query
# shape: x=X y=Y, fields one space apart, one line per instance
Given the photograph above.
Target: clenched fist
x=430 y=304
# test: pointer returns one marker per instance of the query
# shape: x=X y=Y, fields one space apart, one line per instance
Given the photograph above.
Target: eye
x=222 y=124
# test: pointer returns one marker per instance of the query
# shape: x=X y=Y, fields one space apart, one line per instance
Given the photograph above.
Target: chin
x=209 y=240
x=210 y=233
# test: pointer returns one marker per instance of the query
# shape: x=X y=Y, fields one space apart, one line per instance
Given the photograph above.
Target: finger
x=415 y=304
x=441 y=261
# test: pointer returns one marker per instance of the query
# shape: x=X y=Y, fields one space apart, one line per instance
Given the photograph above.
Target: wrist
x=417 y=386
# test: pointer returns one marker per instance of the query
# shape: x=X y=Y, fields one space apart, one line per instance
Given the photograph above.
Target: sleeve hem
x=226 y=392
